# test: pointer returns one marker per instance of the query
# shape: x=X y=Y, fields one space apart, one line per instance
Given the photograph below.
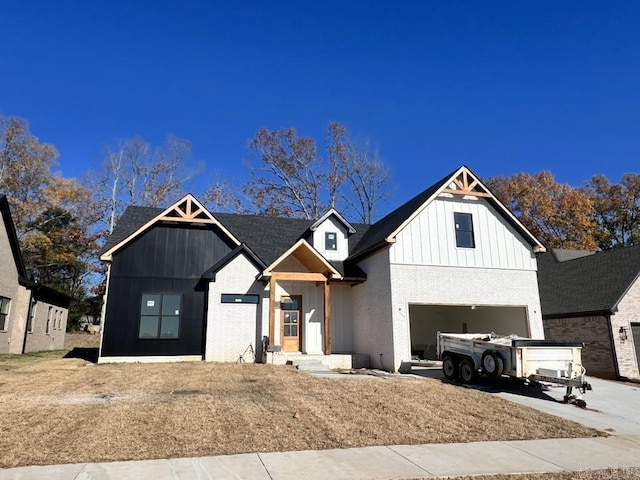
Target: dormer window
x=330 y=241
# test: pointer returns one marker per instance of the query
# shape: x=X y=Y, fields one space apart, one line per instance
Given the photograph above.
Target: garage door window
x=464 y=230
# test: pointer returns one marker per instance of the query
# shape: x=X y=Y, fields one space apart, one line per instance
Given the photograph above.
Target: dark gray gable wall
x=168 y=258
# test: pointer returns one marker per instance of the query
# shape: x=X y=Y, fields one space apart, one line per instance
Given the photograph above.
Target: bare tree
x=362 y=182
x=292 y=180
x=136 y=173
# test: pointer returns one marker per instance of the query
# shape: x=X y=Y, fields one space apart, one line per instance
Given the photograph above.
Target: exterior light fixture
x=623 y=333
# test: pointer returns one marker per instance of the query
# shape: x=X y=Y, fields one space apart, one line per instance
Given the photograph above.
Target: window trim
x=471 y=231
x=327 y=245
x=5 y=325
x=159 y=330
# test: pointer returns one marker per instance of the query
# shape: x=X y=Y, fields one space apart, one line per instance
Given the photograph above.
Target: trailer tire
x=467 y=371
x=492 y=364
x=449 y=367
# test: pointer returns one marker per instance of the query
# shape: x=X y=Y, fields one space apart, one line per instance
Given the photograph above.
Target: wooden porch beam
x=299 y=276
x=327 y=318
x=272 y=310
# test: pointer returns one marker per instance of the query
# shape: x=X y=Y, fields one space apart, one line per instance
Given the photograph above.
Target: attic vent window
x=464 y=230
x=330 y=241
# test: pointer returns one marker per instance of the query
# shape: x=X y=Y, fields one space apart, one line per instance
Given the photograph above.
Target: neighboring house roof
x=384 y=230
x=13 y=238
x=591 y=284
x=40 y=291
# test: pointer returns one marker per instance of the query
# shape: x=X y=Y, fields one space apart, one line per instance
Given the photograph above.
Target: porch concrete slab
x=584 y=453
x=482 y=458
x=348 y=464
x=66 y=471
x=225 y=467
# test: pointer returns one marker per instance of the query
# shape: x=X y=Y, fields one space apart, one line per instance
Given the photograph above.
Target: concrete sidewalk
x=394 y=462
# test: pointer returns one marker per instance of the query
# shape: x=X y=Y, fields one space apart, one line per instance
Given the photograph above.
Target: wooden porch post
x=327 y=318
x=272 y=310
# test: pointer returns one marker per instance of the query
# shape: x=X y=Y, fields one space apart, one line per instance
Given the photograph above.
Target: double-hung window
x=330 y=241
x=464 y=230
x=4 y=312
x=160 y=315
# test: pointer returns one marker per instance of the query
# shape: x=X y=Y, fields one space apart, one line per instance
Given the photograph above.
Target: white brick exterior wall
x=439 y=285
x=231 y=328
x=628 y=312
x=373 y=331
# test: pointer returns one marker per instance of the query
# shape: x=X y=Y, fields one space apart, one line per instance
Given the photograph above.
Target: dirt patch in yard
x=55 y=410
x=81 y=340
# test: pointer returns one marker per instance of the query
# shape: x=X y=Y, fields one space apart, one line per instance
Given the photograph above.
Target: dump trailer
x=465 y=356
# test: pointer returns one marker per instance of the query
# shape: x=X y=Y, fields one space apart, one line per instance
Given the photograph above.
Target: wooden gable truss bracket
x=187 y=211
x=467 y=184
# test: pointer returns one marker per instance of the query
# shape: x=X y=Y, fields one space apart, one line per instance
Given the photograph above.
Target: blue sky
x=502 y=86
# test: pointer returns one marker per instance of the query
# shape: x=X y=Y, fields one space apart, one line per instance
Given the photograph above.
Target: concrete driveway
x=611 y=406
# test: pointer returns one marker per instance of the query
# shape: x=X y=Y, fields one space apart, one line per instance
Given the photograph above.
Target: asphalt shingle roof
x=588 y=284
x=375 y=236
x=268 y=237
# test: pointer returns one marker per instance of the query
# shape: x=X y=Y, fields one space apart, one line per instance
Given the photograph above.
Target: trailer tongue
x=465 y=356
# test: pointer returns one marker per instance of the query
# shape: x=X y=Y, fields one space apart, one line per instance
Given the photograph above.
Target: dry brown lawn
x=606 y=474
x=55 y=410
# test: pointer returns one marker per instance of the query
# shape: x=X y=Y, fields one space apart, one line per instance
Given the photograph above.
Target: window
x=159 y=316
x=4 y=312
x=49 y=315
x=330 y=241
x=32 y=314
x=464 y=230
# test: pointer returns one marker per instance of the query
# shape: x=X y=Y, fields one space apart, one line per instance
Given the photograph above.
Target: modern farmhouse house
x=33 y=317
x=186 y=284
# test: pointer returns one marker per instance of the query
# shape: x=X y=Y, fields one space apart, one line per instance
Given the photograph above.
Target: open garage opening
x=426 y=320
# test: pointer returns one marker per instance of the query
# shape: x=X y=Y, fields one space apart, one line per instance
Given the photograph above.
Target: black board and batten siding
x=165 y=259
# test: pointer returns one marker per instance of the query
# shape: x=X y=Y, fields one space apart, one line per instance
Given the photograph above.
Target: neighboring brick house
x=594 y=297
x=186 y=284
x=32 y=316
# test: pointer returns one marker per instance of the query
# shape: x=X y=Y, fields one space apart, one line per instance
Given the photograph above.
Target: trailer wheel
x=492 y=364
x=468 y=373
x=449 y=367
